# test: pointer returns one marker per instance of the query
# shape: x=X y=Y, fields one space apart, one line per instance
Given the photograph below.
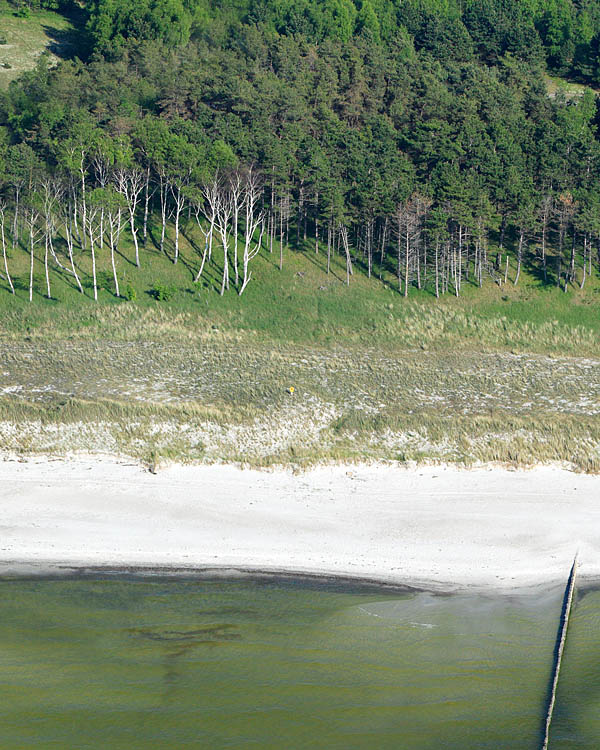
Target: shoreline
x=55 y=571
x=436 y=528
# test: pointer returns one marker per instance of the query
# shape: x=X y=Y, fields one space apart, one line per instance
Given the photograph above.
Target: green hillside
x=392 y=206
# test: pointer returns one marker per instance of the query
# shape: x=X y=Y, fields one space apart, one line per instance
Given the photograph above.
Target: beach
x=438 y=527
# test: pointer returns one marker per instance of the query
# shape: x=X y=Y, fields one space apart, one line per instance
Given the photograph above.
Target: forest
x=415 y=139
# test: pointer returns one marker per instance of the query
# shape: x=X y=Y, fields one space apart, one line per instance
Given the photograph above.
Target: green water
x=260 y=664
x=576 y=721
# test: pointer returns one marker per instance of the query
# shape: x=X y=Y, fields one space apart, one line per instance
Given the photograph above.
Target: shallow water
x=576 y=721
x=144 y=663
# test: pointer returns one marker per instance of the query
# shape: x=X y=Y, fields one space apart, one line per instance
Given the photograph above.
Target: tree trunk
x=83 y=203
x=369 y=247
x=545 y=270
x=225 y=281
x=300 y=210
x=15 y=237
x=382 y=249
x=48 y=294
x=459 y=268
x=572 y=262
x=75 y=224
x=235 y=242
x=316 y=223
x=344 y=237
x=69 y=238
x=437 y=288
x=4 y=255
x=399 y=263
x=585 y=250
x=113 y=241
x=146 y=206
x=163 y=212
x=93 y=266
x=31 y=243
x=519 y=255
x=407 y=255
x=281 y=233
x=135 y=239
x=502 y=231
x=178 y=209
x=199 y=274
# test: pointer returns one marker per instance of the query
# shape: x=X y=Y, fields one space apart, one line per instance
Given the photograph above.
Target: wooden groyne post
x=562 y=639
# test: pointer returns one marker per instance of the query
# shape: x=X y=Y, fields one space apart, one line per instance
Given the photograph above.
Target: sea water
x=162 y=663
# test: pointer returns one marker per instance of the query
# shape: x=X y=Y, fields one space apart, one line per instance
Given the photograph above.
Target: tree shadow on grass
x=66 y=43
x=320 y=262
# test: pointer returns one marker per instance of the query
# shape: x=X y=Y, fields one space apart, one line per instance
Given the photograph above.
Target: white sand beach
x=434 y=526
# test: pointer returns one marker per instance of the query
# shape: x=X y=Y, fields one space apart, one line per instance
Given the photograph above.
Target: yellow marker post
x=291 y=389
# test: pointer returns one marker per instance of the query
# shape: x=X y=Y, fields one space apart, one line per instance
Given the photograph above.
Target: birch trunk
x=69 y=238
x=163 y=211
x=4 y=253
x=146 y=206
x=519 y=255
x=93 y=264
x=48 y=294
x=31 y=243
x=437 y=287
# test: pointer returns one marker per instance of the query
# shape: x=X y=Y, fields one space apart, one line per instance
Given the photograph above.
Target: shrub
x=104 y=280
x=163 y=292
x=129 y=292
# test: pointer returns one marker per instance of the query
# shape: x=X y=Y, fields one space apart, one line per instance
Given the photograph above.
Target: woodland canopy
x=412 y=136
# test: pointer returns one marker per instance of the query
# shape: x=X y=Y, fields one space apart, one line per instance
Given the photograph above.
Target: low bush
x=129 y=292
x=163 y=292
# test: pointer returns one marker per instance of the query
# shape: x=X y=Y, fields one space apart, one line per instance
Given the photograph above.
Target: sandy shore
x=432 y=526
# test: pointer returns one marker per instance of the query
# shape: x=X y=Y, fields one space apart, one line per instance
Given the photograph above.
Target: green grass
x=506 y=374
x=28 y=38
x=570 y=89
x=301 y=304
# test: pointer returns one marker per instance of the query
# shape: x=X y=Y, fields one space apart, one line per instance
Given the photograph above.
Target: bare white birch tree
x=223 y=218
x=130 y=182
x=32 y=221
x=113 y=206
x=67 y=220
x=237 y=196
x=176 y=187
x=3 y=240
x=51 y=192
x=93 y=233
x=206 y=204
x=252 y=191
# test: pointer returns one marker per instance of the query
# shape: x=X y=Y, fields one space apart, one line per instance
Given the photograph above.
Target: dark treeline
x=405 y=136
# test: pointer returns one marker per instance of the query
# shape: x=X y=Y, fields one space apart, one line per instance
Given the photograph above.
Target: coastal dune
x=439 y=527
